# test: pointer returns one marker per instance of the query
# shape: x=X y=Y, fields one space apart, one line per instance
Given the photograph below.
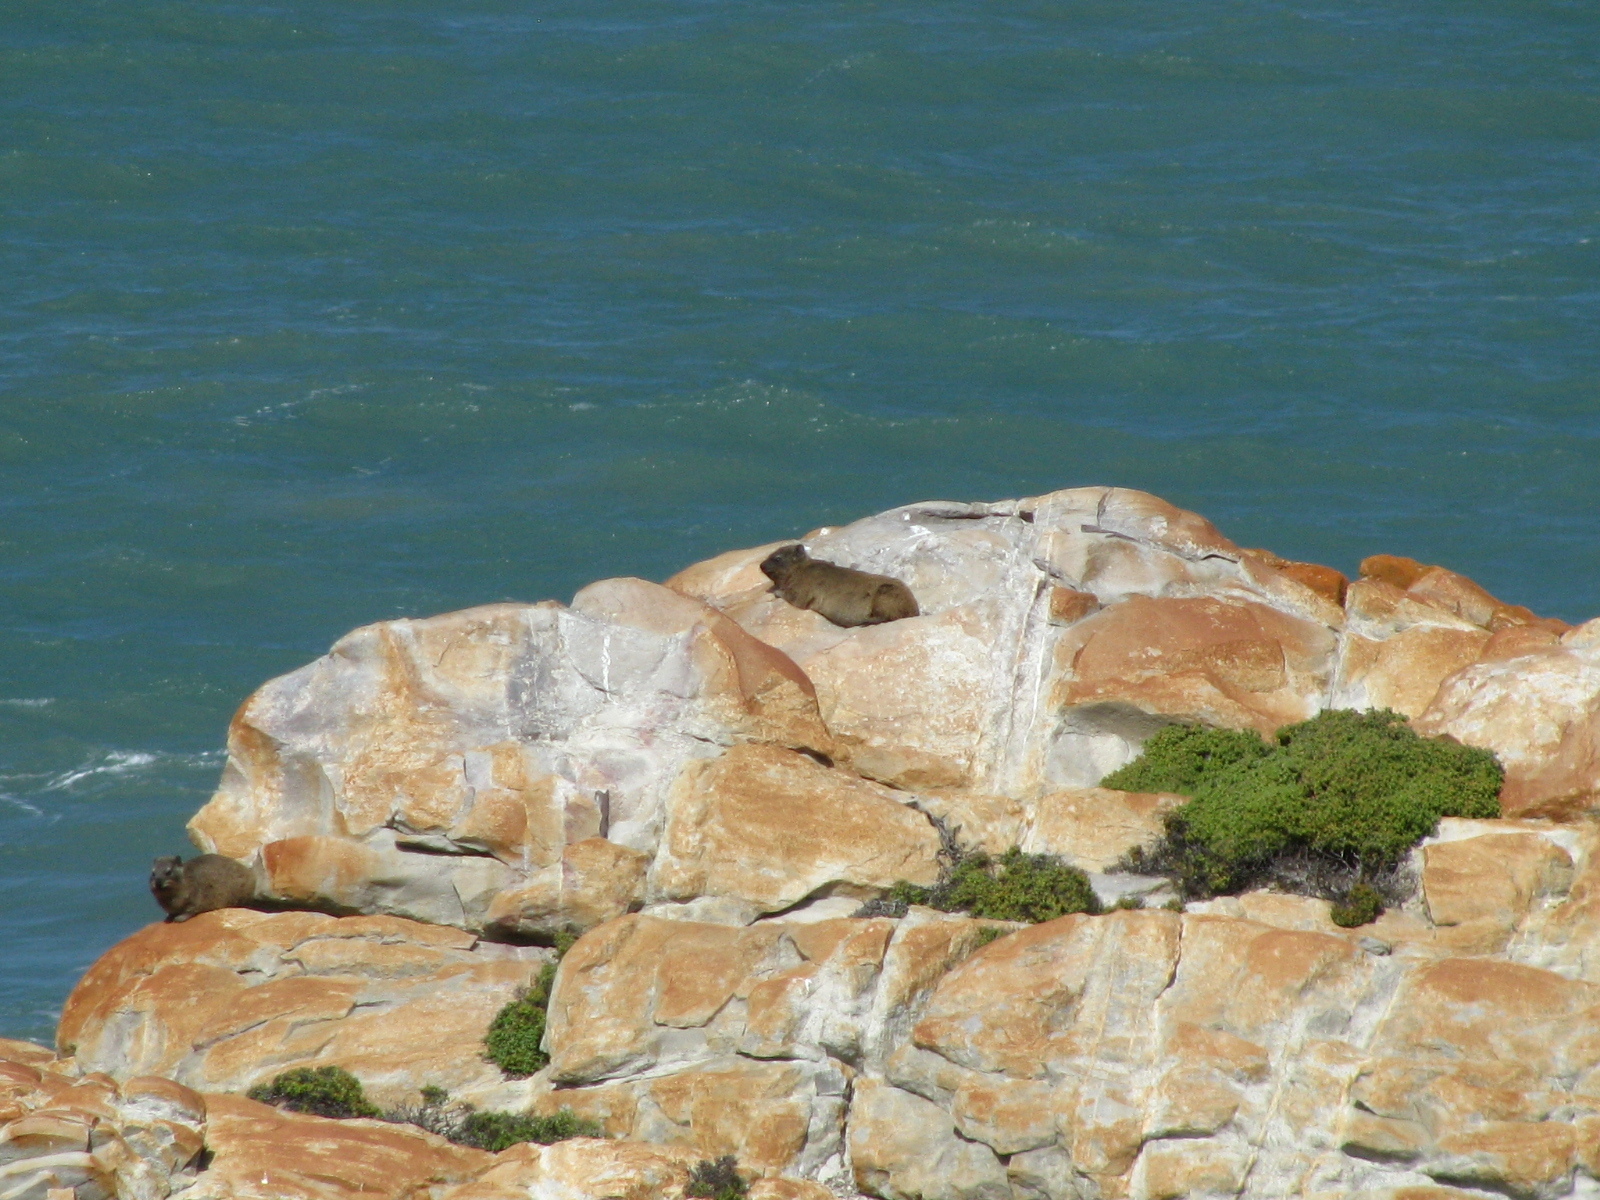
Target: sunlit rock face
x=1056 y=634
x=520 y=770
x=85 y=1135
x=1249 y=1047
x=231 y=998
x=708 y=782
x=459 y=770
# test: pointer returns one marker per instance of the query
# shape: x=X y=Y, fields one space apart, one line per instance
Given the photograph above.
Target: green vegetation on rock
x=512 y=1042
x=493 y=1131
x=1014 y=887
x=719 y=1180
x=1361 y=907
x=322 y=1091
x=1336 y=799
x=1181 y=757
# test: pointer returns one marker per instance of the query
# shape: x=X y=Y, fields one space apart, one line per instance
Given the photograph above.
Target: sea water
x=319 y=312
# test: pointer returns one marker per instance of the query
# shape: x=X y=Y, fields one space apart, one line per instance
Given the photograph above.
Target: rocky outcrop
x=710 y=781
x=523 y=769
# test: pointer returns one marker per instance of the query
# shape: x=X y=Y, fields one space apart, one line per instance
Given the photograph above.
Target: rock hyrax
x=842 y=594
x=210 y=881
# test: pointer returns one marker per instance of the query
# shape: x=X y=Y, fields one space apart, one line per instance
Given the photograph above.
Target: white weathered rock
x=87 y=1137
x=1540 y=713
x=1057 y=633
x=450 y=769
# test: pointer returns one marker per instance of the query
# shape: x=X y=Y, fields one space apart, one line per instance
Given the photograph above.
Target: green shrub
x=1180 y=757
x=493 y=1131
x=1338 y=798
x=1014 y=887
x=324 y=1091
x=497 y=1131
x=1361 y=907
x=990 y=934
x=512 y=1042
x=718 y=1180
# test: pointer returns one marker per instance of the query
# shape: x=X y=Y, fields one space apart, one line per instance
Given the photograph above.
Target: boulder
x=1056 y=633
x=231 y=998
x=263 y=1153
x=1540 y=714
x=581 y=1169
x=709 y=781
x=440 y=769
x=740 y=1041
x=768 y=827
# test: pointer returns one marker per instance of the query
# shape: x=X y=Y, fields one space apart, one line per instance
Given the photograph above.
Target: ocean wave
x=36 y=702
x=128 y=762
x=32 y=810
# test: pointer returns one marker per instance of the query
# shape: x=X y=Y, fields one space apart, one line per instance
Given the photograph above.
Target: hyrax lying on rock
x=842 y=594
x=186 y=889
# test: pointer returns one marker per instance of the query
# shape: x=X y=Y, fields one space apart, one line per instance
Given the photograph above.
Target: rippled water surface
x=315 y=313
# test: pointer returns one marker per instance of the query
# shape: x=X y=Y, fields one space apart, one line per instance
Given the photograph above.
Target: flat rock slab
x=231 y=998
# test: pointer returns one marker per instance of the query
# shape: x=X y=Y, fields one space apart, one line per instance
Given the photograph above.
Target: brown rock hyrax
x=186 y=889
x=842 y=594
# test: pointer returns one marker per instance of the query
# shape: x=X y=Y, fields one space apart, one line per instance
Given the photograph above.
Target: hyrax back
x=843 y=595
x=186 y=889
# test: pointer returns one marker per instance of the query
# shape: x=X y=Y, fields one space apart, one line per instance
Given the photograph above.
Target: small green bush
x=990 y=934
x=493 y=1131
x=1347 y=790
x=718 y=1180
x=1361 y=907
x=497 y=1131
x=1014 y=887
x=512 y=1042
x=323 y=1091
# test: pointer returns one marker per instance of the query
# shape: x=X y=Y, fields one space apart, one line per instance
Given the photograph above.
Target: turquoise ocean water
x=319 y=312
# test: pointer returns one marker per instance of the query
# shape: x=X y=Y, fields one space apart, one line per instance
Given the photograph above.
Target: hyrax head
x=165 y=874
x=777 y=565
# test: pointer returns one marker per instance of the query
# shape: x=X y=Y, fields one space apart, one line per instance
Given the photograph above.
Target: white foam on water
x=126 y=762
x=17 y=802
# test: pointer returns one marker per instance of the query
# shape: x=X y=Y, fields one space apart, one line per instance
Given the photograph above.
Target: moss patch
x=1361 y=907
x=1331 y=801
